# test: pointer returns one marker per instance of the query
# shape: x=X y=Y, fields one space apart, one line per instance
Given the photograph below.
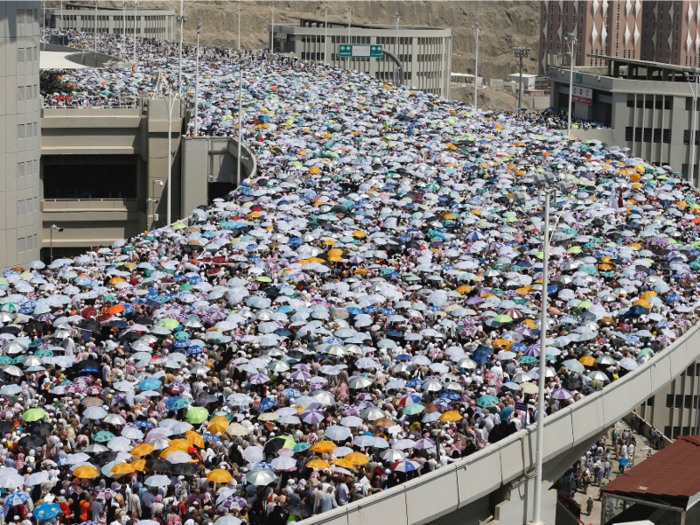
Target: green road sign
x=350 y=50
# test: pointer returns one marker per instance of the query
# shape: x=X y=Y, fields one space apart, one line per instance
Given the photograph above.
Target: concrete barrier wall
x=449 y=489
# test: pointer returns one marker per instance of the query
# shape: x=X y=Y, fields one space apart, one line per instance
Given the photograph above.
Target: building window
x=20 y=244
x=20 y=131
x=20 y=169
x=20 y=207
x=20 y=94
x=20 y=54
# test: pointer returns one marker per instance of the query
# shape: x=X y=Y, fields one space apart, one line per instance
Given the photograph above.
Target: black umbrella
x=31 y=441
x=131 y=336
x=35 y=327
x=88 y=363
x=572 y=383
x=118 y=323
x=158 y=465
x=146 y=321
x=40 y=428
x=14 y=330
x=90 y=325
x=5 y=426
x=273 y=445
x=105 y=457
x=183 y=469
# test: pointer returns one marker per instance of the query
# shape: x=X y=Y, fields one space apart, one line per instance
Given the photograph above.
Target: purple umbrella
x=424 y=443
x=561 y=393
x=258 y=379
x=312 y=417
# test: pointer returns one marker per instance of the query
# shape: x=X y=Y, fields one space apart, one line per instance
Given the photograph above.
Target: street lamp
x=349 y=10
x=124 y=25
x=136 y=15
x=691 y=167
x=95 y=35
x=272 y=33
x=571 y=43
x=240 y=117
x=521 y=52
x=239 y=26
x=325 y=37
x=543 y=184
x=476 y=28
x=58 y=230
x=153 y=200
x=182 y=19
x=196 y=89
x=397 y=18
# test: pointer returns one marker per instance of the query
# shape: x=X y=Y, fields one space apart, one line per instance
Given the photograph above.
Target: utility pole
x=136 y=15
x=347 y=63
x=272 y=32
x=239 y=26
x=95 y=35
x=240 y=117
x=180 y=19
x=691 y=166
x=196 y=88
x=476 y=28
x=325 y=37
x=521 y=52
x=397 y=18
x=570 y=43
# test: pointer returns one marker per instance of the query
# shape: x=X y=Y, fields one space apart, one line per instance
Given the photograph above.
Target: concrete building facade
x=647 y=107
x=20 y=133
x=425 y=52
x=656 y=30
x=150 y=23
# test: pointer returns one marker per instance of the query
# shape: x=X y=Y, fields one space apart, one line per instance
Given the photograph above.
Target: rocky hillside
x=505 y=24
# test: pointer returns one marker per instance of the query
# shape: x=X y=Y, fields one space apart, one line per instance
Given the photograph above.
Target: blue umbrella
x=16 y=498
x=291 y=392
x=176 y=403
x=144 y=424
x=210 y=437
x=387 y=311
x=150 y=384
x=46 y=511
x=267 y=404
x=370 y=309
x=673 y=298
x=414 y=382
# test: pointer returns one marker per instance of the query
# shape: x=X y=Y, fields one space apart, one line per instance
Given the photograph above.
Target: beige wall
x=141 y=131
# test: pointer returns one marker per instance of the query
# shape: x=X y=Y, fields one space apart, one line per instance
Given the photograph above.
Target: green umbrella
x=197 y=415
x=487 y=401
x=33 y=414
x=503 y=319
x=170 y=324
x=415 y=408
x=103 y=436
x=585 y=304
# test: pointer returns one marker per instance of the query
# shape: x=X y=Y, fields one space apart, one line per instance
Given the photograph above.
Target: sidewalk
x=642 y=447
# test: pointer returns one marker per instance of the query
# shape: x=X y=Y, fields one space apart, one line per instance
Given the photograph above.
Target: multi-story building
x=149 y=22
x=425 y=53
x=20 y=133
x=659 y=30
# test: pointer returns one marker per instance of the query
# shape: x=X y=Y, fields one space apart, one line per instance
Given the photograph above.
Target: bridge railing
x=448 y=489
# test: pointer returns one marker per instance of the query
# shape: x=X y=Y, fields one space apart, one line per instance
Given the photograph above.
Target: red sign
x=583 y=95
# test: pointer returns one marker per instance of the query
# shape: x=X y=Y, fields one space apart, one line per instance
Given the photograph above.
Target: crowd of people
x=363 y=311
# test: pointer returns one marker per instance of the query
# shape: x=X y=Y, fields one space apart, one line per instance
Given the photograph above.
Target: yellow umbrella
x=86 y=472
x=219 y=476
x=139 y=464
x=359 y=234
x=464 y=289
x=642 y=302
x=343 y=463
x=323 y=446
x=335 y=259
x=142 y=450
x=450 y=416
x=180 y=444
x=218 y=424
x=195 y=438
x=116 y=280
x=122 y=468
x=357 y=458
x=648 y=294
x=587 y=360
x=318 y=463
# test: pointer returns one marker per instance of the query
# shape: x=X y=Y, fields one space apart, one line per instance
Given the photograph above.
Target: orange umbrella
x=218 y=424
x=117 y=308
x=323 y=446
x=587 y=360
x=357 y=458
x=86 y=472
x=139 y=464
x=180 y=444
x=219 y=476
x=383 y=422
x=142 y=450
x=195 y=438
x=343 y=463
x=318 y=463
x=122 y=468
x=450 y=416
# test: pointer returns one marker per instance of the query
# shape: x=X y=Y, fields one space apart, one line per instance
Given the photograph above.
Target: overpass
x=496 y=484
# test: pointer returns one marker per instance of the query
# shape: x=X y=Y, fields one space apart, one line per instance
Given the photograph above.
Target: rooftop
x=336 y=23
x=671 y=476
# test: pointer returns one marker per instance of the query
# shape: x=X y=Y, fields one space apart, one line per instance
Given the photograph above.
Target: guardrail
x=448 y=489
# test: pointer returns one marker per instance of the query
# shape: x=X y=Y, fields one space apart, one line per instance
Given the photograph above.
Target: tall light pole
x=349 y=25
x=325 y=37
x=153 y=201
x=171 y=105
x=124 y=24
x=61 y=16
x=95 y=35
x=397 y=18
x=136 y=15
x=58 y=230
x=521 y=52
x=196 y=89
x=476 y=28
x=239 y=26
x=240 y=116
x=691 y=166
x=570 y=43
x=272 y=32
x=180 y=19
x=543 y=365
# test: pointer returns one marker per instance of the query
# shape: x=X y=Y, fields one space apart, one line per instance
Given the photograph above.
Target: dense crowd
x=363 y=311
